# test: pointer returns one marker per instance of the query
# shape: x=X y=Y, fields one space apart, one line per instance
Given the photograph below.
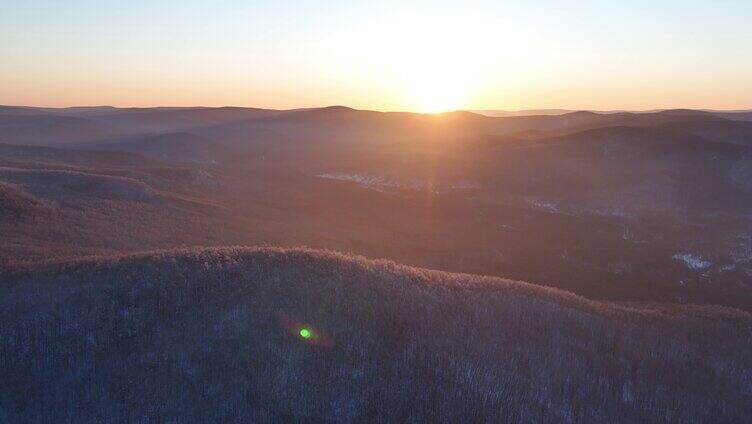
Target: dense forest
x=237 y=335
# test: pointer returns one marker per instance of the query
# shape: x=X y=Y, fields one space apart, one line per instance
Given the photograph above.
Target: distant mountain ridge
x=611 y=199
x=526 y=112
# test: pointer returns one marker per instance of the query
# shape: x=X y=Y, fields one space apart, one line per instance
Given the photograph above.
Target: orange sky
x=428 y=57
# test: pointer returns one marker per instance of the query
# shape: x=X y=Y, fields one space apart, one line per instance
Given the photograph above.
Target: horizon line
x=563 y=110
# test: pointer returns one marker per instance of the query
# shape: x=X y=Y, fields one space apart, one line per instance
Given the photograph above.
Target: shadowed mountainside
x=621 y=206
x=49 y=129
x=214 y=335
x=169 y=147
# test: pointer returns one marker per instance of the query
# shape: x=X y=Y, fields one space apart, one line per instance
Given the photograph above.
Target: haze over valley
x=650 y=206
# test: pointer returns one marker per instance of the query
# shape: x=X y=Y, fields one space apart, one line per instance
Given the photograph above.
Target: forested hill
x=266 y=334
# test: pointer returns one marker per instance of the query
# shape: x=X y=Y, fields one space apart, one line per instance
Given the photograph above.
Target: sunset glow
x=420 y=56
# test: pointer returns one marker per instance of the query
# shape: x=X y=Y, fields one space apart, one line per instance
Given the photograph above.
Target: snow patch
x=543 y=204
x=727 y=268
x=465 y=185
x=692 y=261
x=742 y=250
x=381 y=183
x=372 y=181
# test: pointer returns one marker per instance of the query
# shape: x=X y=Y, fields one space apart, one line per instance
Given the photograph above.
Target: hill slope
x=213 y=335
x=169 y=148
x=49 y=129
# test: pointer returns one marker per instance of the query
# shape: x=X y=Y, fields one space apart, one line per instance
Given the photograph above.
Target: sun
x=436 y=82
x=433 y=62
x=439 y=69
x=436 y=93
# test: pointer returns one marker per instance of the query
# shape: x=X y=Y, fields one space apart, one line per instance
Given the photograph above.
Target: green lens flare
x=305 y=333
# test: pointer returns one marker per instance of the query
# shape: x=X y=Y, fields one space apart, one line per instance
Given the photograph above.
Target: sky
x=385 y=55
